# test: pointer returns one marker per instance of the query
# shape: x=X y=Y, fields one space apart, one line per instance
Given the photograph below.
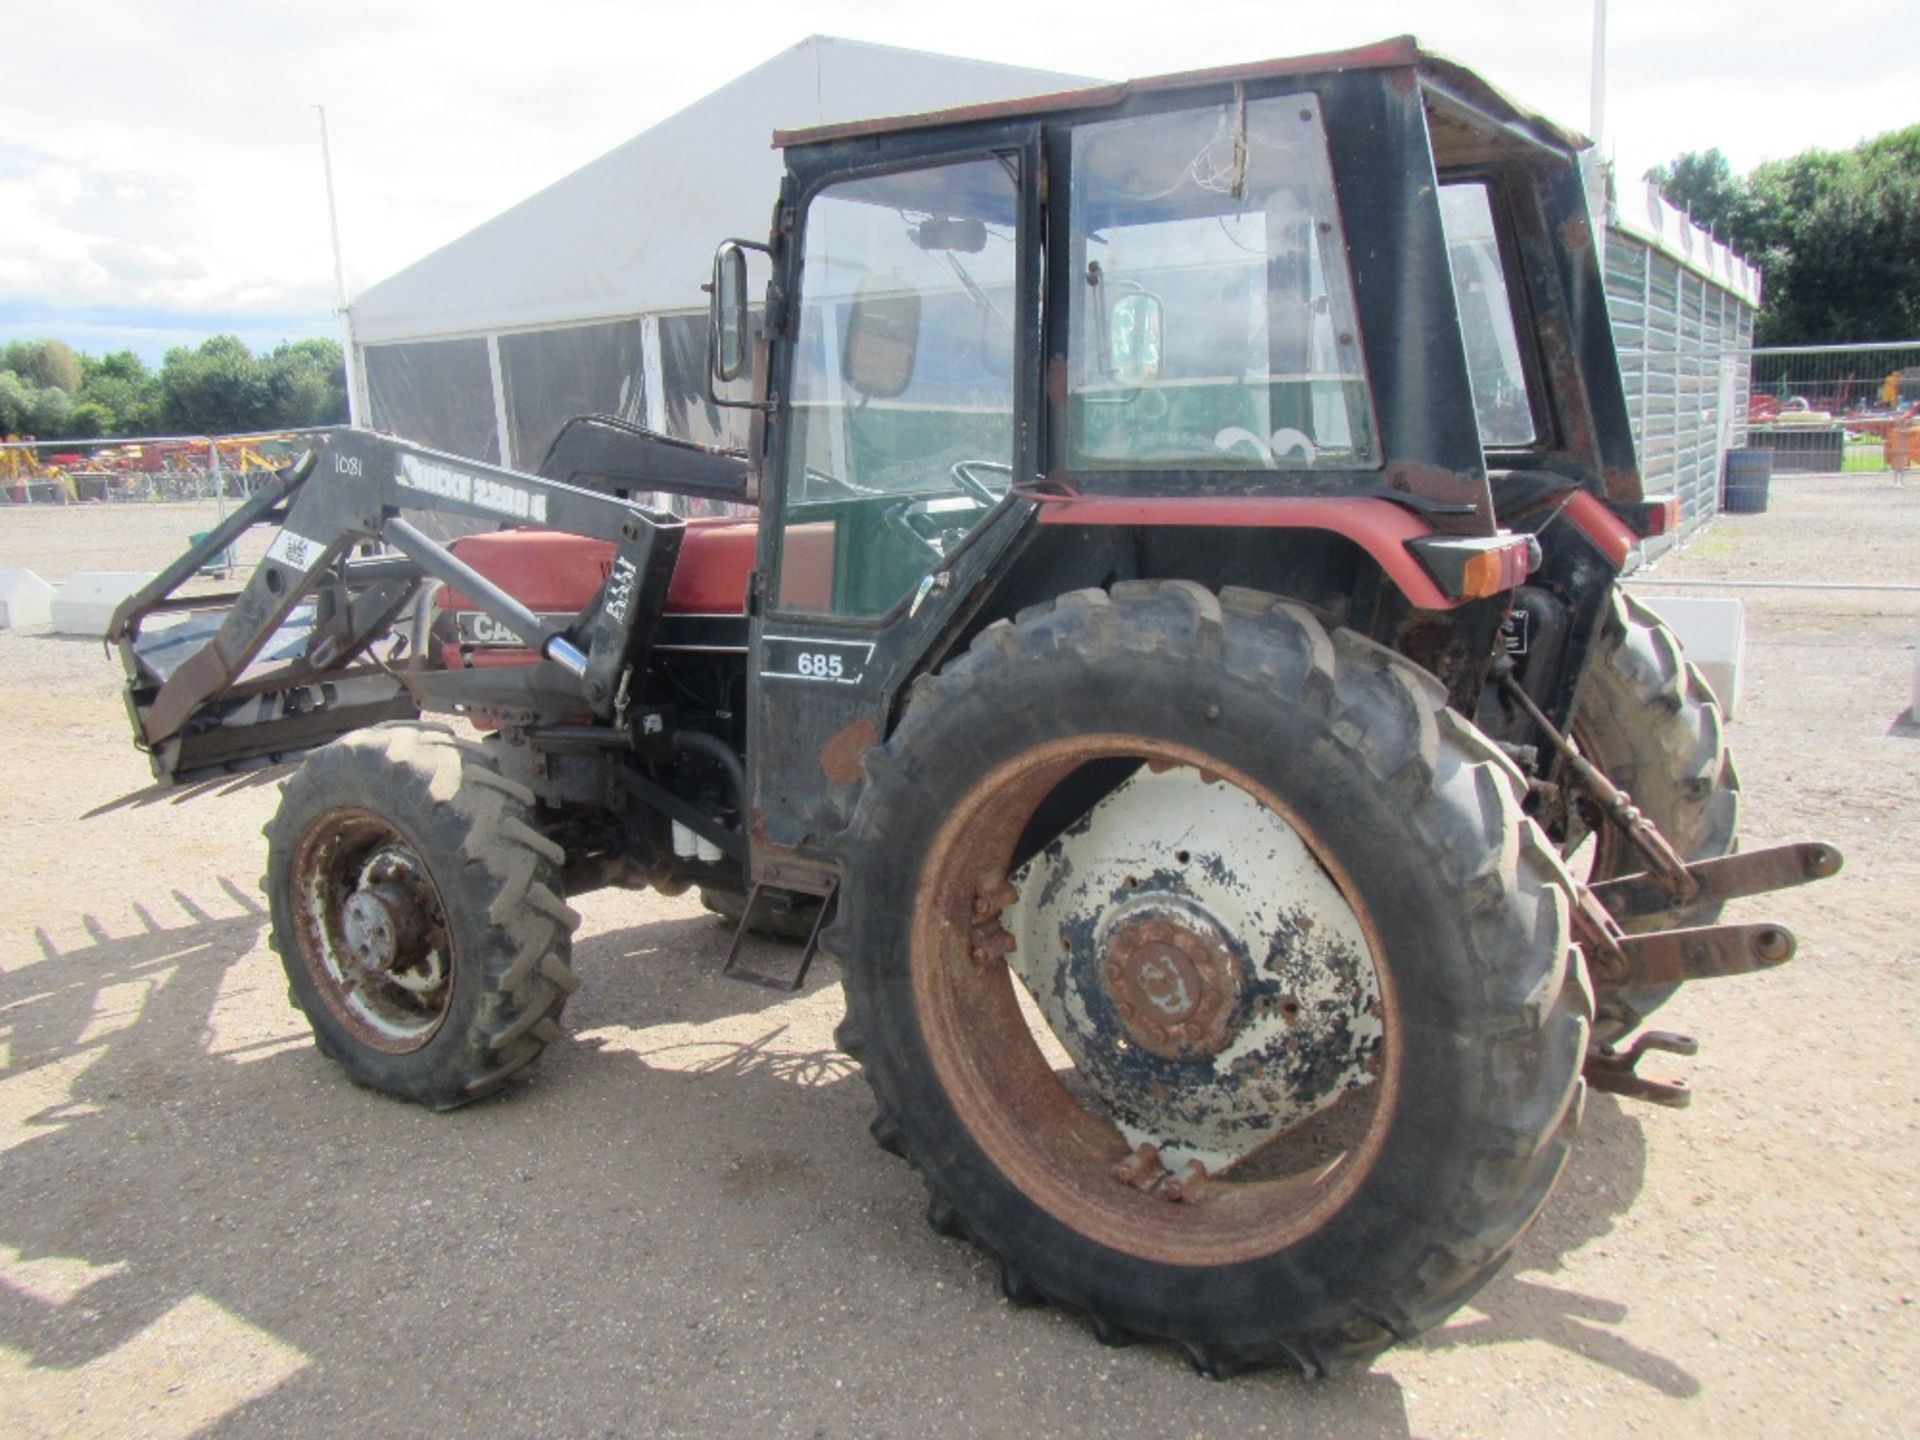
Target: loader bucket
x=234 y=680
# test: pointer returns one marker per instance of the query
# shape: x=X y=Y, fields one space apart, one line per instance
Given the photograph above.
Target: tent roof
x=633 y=232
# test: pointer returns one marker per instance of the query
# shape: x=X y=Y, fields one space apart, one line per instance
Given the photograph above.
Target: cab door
x=889 y=468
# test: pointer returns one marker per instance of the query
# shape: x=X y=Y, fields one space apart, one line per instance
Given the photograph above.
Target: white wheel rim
x=1251 y=994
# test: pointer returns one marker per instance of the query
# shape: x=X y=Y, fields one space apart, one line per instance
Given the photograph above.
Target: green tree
x=1704 y=185
x=1840 y=242
x=1836 y=235
x=51 y=406
x=217 y=389
x=16 y=404
x=122 y=385
x=59 y=367
x=89 y=420
x=43 y=363
x=38 y=379
x=308 y=382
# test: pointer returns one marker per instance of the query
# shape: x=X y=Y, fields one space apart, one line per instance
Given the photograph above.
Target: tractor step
x=1753 y=872
x=734 y=970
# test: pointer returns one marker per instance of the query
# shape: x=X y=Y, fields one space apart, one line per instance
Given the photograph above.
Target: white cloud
x=81 y=232
x=132 y=262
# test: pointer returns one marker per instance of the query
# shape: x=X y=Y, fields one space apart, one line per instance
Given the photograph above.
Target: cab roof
x=1456 y=94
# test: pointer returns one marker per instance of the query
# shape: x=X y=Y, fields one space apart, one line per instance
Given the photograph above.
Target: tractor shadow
x=1602 y=1179
x=655 y=991
x=684 y=1191
x=166 y=792
x=202 y=1218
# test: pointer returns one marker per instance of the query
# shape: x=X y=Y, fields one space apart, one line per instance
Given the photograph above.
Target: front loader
x=1173 y=662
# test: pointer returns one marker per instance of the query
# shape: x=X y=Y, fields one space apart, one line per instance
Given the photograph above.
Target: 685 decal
x=831 y=662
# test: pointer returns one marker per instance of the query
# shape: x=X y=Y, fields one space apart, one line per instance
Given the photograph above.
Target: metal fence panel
x=142 y=468
x=1828 y=408
x=1683 y=340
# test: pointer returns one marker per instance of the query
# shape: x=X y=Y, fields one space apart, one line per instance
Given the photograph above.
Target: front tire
x=1649 y=721
x=1278 y=1134
x=417 y=913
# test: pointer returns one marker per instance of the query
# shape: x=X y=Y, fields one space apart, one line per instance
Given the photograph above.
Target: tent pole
x=341 y=308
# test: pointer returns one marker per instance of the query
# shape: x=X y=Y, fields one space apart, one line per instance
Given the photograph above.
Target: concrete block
x=1713 y=632
x=25 y=599
x=85 y=603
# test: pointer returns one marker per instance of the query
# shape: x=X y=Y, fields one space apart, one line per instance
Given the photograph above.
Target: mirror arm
x=1103 y=337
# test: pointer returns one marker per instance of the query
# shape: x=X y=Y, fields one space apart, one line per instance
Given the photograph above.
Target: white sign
x=295 y=551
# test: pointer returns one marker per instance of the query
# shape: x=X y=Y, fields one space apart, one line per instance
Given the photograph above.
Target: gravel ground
x=681 y=1226
x=55 y=541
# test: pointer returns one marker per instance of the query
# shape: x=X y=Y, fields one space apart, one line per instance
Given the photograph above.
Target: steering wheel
x=964 y=477
x=846 y=488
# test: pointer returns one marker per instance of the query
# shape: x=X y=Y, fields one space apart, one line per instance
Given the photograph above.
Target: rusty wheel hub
x=371 y=930
x=1174 y=984
x=385 y=934
x=1207 y=976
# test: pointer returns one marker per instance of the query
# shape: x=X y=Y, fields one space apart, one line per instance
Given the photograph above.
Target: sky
x=160 y=163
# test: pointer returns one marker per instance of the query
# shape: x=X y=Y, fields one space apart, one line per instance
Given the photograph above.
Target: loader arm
x=306 y=650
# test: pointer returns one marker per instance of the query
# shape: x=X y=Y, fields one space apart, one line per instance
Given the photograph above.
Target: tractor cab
x=1276 y=325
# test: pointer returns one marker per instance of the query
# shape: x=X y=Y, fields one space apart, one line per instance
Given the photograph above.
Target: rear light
x=1472 y=567
x=1497 y=569
x=1656 y=515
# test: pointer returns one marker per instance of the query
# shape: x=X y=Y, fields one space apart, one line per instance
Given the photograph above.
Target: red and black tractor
x=1168 y=652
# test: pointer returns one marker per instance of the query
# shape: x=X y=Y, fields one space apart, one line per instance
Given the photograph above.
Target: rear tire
x=1471 y=1093
x=417 y=913
x=1649 y=721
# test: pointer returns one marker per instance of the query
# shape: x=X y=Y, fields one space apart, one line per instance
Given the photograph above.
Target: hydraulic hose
x=698 y=742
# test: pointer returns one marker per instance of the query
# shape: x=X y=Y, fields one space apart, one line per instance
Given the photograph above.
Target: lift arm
x=293 y=658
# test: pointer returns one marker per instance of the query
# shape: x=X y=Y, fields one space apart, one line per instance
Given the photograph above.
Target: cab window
x=1499 y=379
x=1211 y=315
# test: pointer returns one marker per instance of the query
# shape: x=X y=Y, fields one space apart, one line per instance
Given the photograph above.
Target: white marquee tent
x=585 y=298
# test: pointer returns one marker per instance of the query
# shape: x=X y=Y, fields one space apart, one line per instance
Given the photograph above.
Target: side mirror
x=1133 y=339
x=727 y=322
x=882 y=337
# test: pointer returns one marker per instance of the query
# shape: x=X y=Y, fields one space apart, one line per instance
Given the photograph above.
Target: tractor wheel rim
x=1199 y=965
x=1213 y=1067
x=372 y=930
